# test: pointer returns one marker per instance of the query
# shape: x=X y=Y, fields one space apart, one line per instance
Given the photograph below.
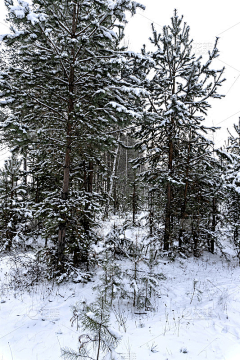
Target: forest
x=113 y=182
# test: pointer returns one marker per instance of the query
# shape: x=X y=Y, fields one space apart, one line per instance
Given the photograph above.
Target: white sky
x=207 y=19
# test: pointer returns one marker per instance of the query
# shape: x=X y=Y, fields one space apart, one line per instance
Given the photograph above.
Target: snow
x=91 y=315
x=169 y=112
x=19 y=11
x=136 y=91
x=11 y=36
x=34 y=18
x=113 y=34
x=108 y=35
x=2 y=37
x=7 y=101
x=121 y=108
x=195 y=314
x=111 y=4
x=23 y=8
x=115 y=333
x=233 y=354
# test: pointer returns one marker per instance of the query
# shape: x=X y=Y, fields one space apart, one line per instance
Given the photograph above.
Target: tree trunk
x=25 y=169
x=195 y=244
x=134 y=199
x=167 y=232
x=111 y=180
x=67 y=162
x=184 y=206
x=151 y=212
x=10 y=230
x=214 y=208
x=90 y=177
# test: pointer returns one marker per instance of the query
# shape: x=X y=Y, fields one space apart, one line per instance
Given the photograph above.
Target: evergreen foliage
x=97 y=130
x=231 y=160
x=97 y=337
x=171 y=135
x=15 y=213
x=66 y=86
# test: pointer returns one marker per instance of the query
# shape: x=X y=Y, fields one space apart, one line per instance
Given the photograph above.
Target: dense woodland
x=96 y=130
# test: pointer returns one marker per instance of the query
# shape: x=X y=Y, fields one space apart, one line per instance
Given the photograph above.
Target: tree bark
x=25 y=169
x=167 y=231
x=212 y=243
x=134 y=199
x=111 y=179
x=184 y=206
x=151 y=212
x=67 y=161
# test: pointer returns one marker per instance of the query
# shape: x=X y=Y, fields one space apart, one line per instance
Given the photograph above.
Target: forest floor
x=195 y=317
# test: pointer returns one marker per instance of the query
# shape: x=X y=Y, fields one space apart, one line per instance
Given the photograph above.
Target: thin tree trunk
x=214 y=208
x=126 y=159
x=99 y=334
x=67 y=162
x=111 y=182
x=167 y=232
x=90 y=177
x=134 y=199
x=25 y=169
x=196 y=250
x=184 y=206
x=151 y=212
x=169 y=202
x=10 y=231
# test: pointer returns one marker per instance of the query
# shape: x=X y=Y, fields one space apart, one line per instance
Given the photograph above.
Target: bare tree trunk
x=214 y=209
x=184 y=206
x=88 y=189
x=10 y=230
x=196 y=250
x=25 y=169
x=126 y=160
x=134 y=199
x=67 y=162
x=151 y=212
x=111 y=182
x=90 y=177
x=167 y=231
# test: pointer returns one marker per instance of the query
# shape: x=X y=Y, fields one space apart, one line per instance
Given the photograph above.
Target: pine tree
x=179 y=88
x=97 y=334
x=65 y=86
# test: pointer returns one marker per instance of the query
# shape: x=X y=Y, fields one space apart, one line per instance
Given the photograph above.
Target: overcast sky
x=207 y=19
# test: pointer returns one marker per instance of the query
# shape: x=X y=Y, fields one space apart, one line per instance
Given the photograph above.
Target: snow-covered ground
x=196 y=316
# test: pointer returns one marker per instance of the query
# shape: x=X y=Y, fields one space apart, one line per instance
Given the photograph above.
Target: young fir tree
x=179 y=87
x=65 y=86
